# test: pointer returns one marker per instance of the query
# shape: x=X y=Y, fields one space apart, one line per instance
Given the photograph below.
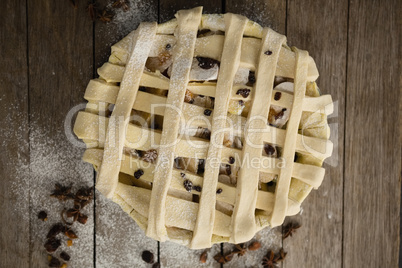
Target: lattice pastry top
x=206 y=128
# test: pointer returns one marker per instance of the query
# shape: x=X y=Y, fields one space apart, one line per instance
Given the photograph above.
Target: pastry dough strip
x=115 y=137
x=99 y=90
x=130 y=164
x=90 y=125
x=212 y=46
x=188 y=22
x=235 y=25
x=284 y=178
x=243 y=218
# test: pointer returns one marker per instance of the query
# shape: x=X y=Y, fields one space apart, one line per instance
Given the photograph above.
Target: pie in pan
x=206 y=128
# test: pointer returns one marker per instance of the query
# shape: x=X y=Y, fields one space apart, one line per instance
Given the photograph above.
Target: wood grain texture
x=60 y=57
x=372 y=155
x=14 y=146
x=119 y=240
x=167 y=8
x=324 y=36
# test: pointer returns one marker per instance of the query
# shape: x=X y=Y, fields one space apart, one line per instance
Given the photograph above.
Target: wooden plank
x=167 y=8
x=268 y=14
x=372 y=148
x=324 y=36
x=119 y=240
x=175 y=255
x=14 y=159
x=60 y=56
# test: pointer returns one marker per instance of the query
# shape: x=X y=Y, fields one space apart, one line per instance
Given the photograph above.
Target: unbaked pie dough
x=206 y=128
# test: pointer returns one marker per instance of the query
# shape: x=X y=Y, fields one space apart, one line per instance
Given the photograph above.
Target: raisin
x=244 y=92
x=197 y=188
x=138 y=173
x=147 y=256
x=268 y=52
x=231 y=160
x=219 y=191
x=65 y=256
x=188 y=185
x=52 y=245
x=207 y=112
x=251 y=78
x=42 y=215
x=269 y=149
x=206 y=63
x=277 y=96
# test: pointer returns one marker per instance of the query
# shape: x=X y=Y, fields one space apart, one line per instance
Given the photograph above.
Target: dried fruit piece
x=150 y=155
x=197 y=188
x=55 y=230
x=231 y=160
x=206 y=63
x=70 y=234
x=268 y=52
x=244 y=92
x=138 y=173
x=147 y=256
x=52 y=245
x=254 y=246
x=82 y=218
x=207 y=112
x=188 y=185
x=269 y=149
x=42 y=215
x=54 y=262
x=219 y=190
x=64 y=255
x=277 y=96
x=203 y=257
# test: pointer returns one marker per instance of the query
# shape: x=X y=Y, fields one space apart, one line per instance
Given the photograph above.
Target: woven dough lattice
x=206 y=128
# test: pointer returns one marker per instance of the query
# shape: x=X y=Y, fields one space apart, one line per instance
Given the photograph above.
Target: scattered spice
x=74 y=212
x=147 y=256
x=105 y=16
x=254 y=246
x=203 y=257
x=64 y=265
x=207 y=112
x=69 y=243
x=156 y=265
x=268 y=52
x=244 y=92
x=150 y=156
x=83 y=196
x=206 y=63
x=52 y=245
x=222 y=259
x=121 y=4
x=277 y=96
x=240 y=249
x=64 y=255
x=138 y=173
x=70 y=234
x=231 y=160
x=62 y=193
x=188 y=185
x=55 y=230
x=92 y=11
x=54 y=262
x=42 y=215
x=82 y=218
x=269 y=149
x=219 y=190
x=289 y=229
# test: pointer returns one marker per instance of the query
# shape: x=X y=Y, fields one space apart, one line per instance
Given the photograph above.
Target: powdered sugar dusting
x=127 y=21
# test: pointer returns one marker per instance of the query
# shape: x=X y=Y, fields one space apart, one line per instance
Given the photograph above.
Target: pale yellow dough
x=157 y=201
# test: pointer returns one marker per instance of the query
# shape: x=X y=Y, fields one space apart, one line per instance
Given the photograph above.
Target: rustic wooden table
x=50 y=50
